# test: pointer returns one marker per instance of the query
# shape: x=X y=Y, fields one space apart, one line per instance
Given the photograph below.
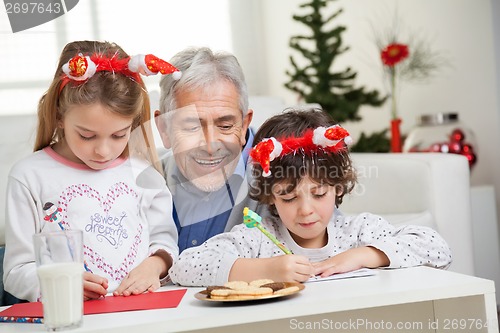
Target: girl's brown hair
x=323 y=167
x=117 y=92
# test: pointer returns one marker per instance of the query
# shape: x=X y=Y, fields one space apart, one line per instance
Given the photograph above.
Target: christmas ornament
x=456 y=145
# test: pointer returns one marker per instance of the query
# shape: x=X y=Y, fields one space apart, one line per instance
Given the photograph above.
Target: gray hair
x=201 y=67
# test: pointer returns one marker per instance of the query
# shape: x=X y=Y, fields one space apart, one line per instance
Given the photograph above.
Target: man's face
x=206 y=134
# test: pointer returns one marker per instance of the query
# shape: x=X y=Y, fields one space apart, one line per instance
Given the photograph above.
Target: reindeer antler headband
x=80 y=68
x=331 y=139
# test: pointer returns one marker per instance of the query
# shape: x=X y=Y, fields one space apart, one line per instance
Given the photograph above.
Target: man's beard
x=216 y=180
x=208 y=183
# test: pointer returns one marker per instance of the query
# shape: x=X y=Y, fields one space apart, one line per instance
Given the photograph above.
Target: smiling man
x=204 y=122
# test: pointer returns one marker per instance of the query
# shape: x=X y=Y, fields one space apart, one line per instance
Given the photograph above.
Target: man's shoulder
x=168 y=164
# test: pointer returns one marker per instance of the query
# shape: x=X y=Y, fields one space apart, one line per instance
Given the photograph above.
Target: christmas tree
x=317 y=82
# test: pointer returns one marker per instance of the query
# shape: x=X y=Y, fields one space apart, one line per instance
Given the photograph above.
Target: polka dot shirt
x=405 y=246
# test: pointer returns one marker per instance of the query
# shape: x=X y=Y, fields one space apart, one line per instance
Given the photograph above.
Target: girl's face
x=306 y=211
x=94 y=135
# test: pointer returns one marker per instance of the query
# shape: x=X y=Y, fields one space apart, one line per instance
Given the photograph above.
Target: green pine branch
x=317 y=82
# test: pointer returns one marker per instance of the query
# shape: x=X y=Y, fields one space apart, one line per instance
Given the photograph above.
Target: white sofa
x=427 y=189
x=430 y=189
x=17 y=136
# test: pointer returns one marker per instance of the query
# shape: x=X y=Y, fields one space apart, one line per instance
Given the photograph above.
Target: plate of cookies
x=247 y=291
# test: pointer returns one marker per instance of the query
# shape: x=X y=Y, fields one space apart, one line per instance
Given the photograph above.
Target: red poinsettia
x=398 y=65
x=394 y=53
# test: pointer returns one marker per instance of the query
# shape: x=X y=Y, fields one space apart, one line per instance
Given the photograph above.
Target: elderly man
x=204 y=122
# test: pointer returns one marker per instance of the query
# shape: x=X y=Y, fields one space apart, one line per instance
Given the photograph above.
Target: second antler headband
x=332 y=139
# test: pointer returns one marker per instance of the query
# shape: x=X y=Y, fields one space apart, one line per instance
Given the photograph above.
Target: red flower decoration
x=78 y=65
x=394 y=53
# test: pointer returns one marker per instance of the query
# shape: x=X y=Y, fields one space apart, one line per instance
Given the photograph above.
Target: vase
x=396 y=146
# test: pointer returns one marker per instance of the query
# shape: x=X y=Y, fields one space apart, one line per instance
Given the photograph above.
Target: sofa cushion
x=427 y=189
x=404 y=183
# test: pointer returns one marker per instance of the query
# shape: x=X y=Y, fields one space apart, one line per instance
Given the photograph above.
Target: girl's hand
x=288 y=267
x=351 y=260
x=94 y=286
x=145 y=277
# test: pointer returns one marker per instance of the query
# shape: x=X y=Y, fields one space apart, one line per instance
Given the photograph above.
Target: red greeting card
x=26 y=312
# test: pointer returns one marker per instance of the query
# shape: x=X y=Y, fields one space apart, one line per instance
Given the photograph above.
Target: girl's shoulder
x=146 y=174
x=31 y=161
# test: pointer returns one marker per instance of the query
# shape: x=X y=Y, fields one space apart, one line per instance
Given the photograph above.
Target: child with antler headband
x=91 y=170
x=302 y=170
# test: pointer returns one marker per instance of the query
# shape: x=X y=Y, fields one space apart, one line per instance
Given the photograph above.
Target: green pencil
x=252 y=220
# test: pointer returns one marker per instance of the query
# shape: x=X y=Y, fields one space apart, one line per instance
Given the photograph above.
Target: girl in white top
x=302 y=171
x=92 y=170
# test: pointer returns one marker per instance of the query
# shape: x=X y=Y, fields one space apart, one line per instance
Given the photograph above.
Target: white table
x=421 y=299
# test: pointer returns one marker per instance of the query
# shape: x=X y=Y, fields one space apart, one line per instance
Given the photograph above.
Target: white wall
x=155 y=26
x=463 y=29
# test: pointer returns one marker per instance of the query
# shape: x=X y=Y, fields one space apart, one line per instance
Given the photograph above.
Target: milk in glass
x=59 y=261
x=62 y=294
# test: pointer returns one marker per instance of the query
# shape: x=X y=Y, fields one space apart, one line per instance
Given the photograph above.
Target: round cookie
x=253 y=291
x=287 y=291
x=212 y=288
x=260 y=282
x=236 y=284
x=275 y=286
x=221 y=292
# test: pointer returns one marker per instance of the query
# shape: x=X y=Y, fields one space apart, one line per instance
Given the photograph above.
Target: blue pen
x=84 y=262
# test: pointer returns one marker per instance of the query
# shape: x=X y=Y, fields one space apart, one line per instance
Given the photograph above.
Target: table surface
x=388 y=287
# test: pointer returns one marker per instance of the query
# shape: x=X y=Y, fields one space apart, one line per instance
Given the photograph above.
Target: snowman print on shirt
x=52 y=213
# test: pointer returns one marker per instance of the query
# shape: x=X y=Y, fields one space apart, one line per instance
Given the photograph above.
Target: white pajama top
x=405 y=246
x=124 y=211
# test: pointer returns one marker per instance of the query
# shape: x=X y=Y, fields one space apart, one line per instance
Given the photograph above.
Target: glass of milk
x=59 y=260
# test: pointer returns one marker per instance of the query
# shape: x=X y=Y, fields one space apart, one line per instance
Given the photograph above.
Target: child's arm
x=157 y=208
x=211 y=262
x=20 y=278
x=403 y=246
x=406 y=245
x=289 y=267
x=350 y=260
x=158 y=212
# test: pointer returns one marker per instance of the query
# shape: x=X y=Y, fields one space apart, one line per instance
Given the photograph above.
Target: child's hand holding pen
x=292 y=268
x=289 y=267
x=94 y=286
